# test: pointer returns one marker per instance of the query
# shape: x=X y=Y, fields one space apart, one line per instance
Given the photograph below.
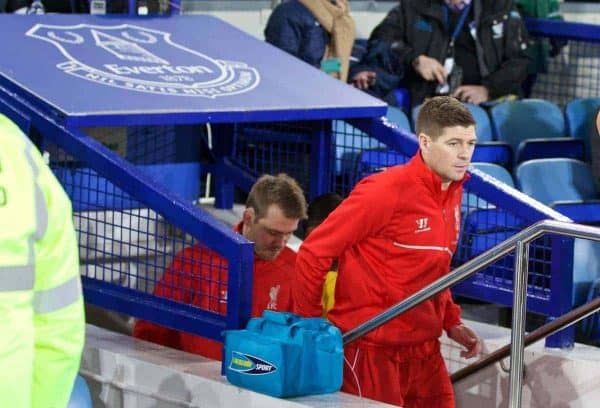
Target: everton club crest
x=144 y=60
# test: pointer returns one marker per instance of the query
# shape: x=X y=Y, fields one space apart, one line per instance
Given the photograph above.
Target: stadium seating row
x=512 y=132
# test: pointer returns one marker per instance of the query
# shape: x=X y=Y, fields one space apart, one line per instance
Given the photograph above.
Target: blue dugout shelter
x=146 y=89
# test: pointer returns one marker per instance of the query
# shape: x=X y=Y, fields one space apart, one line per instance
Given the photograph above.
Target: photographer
x=474 y=50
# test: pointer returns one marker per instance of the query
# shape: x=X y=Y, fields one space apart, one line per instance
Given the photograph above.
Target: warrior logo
x=144 y=60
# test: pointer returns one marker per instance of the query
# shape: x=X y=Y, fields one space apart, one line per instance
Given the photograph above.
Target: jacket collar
x=429 y=178
x=433 y=8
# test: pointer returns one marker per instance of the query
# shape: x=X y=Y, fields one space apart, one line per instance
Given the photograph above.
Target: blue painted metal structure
x=74 y=71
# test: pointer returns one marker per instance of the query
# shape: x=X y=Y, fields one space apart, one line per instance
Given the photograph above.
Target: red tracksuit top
x=394 y=234
x=198 y=276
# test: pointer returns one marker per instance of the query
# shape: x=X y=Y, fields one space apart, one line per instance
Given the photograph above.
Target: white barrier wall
x=123 y=372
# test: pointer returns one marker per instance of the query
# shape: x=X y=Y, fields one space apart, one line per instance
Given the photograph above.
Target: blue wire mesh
x=124 y=242
x=272 y=148
x=485 y=226
x=356 y=156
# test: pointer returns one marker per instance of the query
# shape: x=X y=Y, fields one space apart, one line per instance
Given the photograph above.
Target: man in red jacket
x=394 y=234
x=198 y=275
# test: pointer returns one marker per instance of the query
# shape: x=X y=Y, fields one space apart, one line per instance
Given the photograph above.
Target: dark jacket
x=293 y=28
x=379 y=59
x=417 y=27
x=10 y=6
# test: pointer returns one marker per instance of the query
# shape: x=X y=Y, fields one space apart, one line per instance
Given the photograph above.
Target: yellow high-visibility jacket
x=42 y=323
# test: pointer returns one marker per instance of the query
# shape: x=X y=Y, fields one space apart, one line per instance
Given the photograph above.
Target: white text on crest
x=158 y=69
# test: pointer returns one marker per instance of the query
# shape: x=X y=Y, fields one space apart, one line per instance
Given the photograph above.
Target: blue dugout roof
x=90 y=70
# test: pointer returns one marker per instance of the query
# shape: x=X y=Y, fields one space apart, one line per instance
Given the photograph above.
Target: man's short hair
x=281 y=190
x=320 y=207
x=441 y=112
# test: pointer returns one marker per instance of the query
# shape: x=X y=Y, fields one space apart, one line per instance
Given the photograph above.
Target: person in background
x=12 y=6
x=42 y=324
x=540 y=49
x=318 y=210
x=198 y=276
x=319 y=32
x=393 y=235
x=474 y=50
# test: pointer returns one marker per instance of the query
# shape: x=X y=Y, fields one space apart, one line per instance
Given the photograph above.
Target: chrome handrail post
x=518 y=322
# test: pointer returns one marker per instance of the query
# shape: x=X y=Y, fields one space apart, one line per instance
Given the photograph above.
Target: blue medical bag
x=285 y=355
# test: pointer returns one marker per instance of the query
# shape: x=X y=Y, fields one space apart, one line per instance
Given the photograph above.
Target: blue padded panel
x=493 y=152
x=551 y=147
x=550 y=180
x=583 y=212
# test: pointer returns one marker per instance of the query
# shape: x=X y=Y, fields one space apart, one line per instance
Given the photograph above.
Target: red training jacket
x=198 y=276
x=394 y=234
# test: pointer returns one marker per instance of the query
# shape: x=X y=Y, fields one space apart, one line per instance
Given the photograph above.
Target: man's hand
x=474 y=94
x=467 y=338
x=364 y=79
x=430 y=69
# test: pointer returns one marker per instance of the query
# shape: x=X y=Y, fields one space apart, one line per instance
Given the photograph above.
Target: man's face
x=270 y=233
x=450 y=154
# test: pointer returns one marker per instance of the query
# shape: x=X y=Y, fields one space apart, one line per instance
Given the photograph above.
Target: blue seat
x=80 y=396
x=398 y=117
x=402 y=97
x=580 y=117
x=517 y=122
x=557 y=179
x=375 y=160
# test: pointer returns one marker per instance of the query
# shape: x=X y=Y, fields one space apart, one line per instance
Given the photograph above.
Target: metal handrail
x=519 y=242
x=546 y=330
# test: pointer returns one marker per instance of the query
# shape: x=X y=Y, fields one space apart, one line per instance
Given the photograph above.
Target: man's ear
x=424 y=141
x=248 y=215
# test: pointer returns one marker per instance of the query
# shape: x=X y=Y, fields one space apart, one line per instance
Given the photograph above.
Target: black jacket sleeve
x=392 y=30
x=11 y=6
